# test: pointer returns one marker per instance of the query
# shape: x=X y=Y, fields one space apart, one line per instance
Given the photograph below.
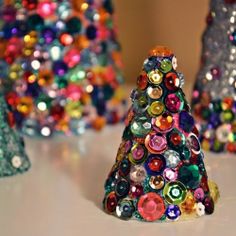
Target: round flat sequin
x=176 y=139
x=156 y=182
x=193 y=143
x=175 y=192
x=166 y=65
x=138 y=173
x=124 y=167
x=125 y=209
x=151 y=206
x=142 y=81
x=223 y=133
x=173 y=103
x=140 y=126
x=155 y=164
x=154 y=92
x=155 y=77
x=172 y=82
x=172 y=158
x=173 y=212
x=199 y=194
x=122 y=188
x=16 y=162
x=155 y=143
x=136 y=190
x=138 y=154
x=156 y=108
x=110 y=202
x=163 y=123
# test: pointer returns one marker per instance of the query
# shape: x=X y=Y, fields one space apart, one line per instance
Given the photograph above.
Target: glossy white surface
x=61 y=195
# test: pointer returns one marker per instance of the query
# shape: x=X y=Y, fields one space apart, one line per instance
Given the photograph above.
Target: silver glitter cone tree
x=61 y=66
x=159 y=173
x=13 y=159
x=214 y=95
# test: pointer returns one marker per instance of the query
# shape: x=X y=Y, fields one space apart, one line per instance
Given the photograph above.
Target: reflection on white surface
x=61 y=195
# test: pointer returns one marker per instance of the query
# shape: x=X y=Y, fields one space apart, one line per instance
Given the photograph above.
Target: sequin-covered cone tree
x=60 y=65
x=13 y=159
x=214 y=95
x=159 y=174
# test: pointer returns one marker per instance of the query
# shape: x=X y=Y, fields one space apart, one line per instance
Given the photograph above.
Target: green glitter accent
x=11 y=146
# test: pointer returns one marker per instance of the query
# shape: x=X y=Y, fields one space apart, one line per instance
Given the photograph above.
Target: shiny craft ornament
x=214 y=94
x=159 y=173
x=60 y=65
x=13 y=159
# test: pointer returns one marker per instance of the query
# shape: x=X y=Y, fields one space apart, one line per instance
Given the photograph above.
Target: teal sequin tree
x=13 y=159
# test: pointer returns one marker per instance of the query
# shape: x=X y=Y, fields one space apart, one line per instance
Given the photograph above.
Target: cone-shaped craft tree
x=13 y=159
x=214 y=95
x=60 y=64
x=159 y=172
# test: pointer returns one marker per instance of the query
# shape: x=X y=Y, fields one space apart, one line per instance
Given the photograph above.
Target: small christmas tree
x=60 y=65
x=13 y=159
x=159 y=172
x=214 y=95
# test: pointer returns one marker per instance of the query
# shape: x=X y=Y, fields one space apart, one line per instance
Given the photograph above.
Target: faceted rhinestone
x=136 y=190
x=125 y=209
x=138 y=173
x=154 y=92
x=110 y=202
x=166 y=65
x=155 y=164
x=141 y=126
x=155 y=143
x=190 y=176
x=174 y=192
x=173 y=103
x=138 y=153
x=157 y=182
x=122 y=188
x=172 y=158
x=161 y=51
x=170 y=174
x=172 y=82
x=156 y=108
x=142 y=81
x=164 y=122
x=173 y=212
x=151 y=206
x=155 y=77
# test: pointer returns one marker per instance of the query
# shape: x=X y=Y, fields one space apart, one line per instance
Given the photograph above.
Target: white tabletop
x=62 y=193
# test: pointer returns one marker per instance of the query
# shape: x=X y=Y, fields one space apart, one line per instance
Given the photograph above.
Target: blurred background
x=142 y=24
